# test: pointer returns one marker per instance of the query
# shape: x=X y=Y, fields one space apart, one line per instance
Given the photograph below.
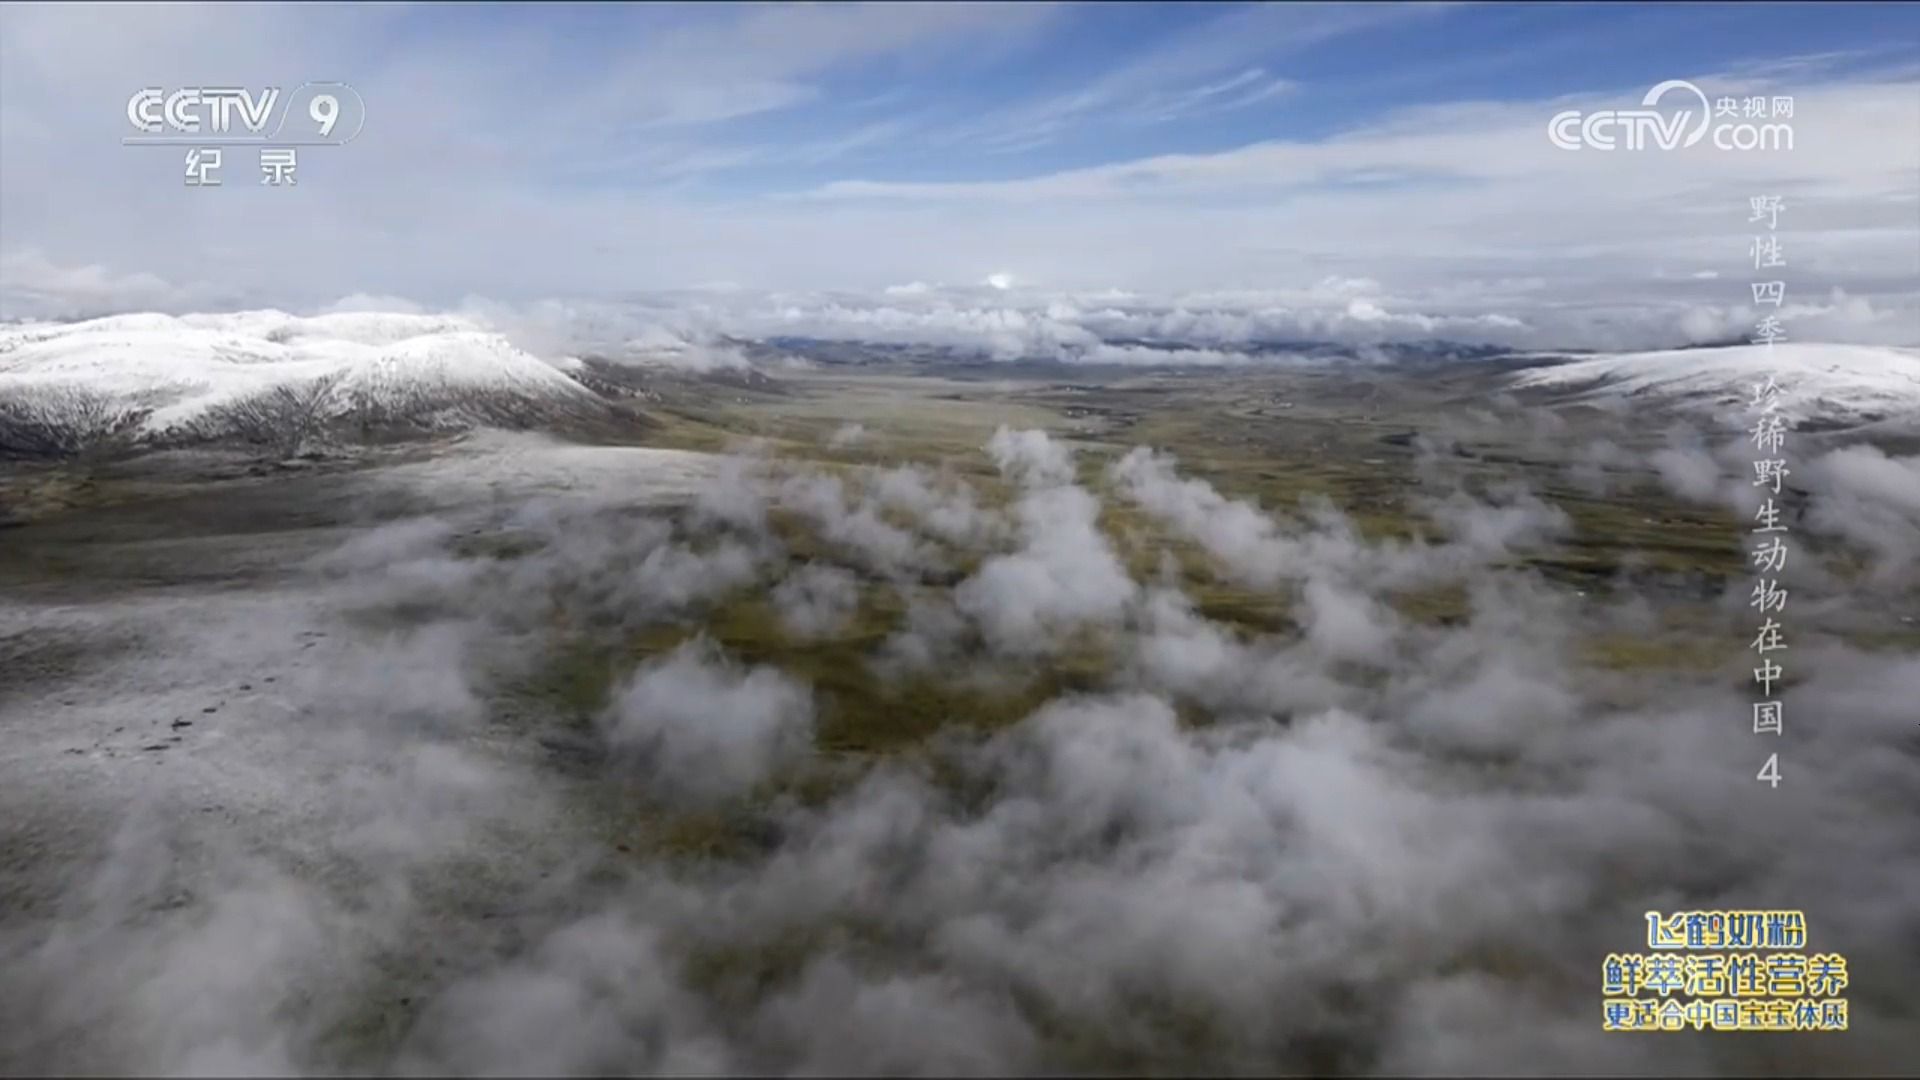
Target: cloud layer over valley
x=1361 y=841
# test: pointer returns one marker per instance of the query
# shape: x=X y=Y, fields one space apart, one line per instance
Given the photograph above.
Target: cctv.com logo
x=1649 y=128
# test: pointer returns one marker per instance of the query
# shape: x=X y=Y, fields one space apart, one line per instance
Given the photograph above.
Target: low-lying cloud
x=1350 y=841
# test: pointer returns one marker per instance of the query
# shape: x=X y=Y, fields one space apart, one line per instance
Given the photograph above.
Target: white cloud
x=816 y=601
x=698 y=727
x=1031 y=457
x=1064 y=575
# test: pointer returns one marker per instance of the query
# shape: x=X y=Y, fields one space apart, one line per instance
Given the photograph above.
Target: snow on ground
x=500 y=465
x=180 y=367
x=1832 y=382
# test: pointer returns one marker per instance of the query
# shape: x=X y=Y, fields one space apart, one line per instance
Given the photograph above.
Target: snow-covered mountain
x=267 y=376
x=1840 y=384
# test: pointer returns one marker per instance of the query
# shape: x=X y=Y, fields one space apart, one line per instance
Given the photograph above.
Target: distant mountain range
x=287 y=382
x=845 y=351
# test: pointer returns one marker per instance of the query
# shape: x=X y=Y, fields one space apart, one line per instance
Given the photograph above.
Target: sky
x=1338 y=167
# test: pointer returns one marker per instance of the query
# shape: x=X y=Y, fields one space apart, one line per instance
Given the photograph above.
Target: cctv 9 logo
x=313 y=114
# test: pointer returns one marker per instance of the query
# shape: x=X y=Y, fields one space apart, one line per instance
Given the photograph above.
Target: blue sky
x=1359 y=157
x=1037 y=90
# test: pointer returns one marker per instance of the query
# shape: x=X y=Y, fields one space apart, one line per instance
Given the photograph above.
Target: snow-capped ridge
x=1828 y=382
x=191 y=376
